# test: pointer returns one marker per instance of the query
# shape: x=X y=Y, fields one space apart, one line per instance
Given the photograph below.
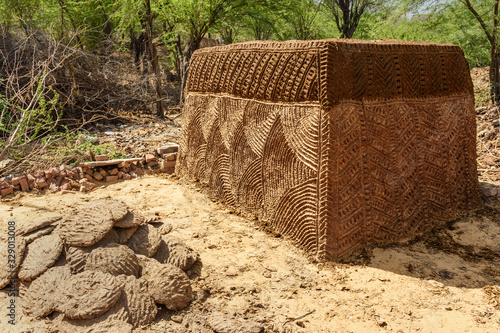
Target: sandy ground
x=445 y=281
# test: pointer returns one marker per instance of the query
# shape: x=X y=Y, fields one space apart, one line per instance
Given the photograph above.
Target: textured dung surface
x=33 y=235
x=114 y=259
x=117 y=208
x=168 y=285
x=10 y=262
x=337 y=144
x=130 y=220
x=173 y=251
x=39 y=224
x=76 y=256
x=124 y=234
x=151 y=218
x=86 y=227
x=88 y=294
x=139 y=304
x=146 y=240
x=94 y=326
x=165 y=228
x=39 y=256
x=42 y=296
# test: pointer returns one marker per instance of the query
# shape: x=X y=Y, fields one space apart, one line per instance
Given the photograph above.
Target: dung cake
x=337 y=144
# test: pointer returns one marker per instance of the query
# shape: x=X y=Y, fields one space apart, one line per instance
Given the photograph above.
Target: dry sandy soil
x=445 y=281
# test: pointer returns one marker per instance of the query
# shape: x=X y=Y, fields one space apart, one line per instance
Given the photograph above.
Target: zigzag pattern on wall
x=335 y=144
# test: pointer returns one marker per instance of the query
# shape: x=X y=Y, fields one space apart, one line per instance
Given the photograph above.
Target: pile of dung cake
x=101 y=267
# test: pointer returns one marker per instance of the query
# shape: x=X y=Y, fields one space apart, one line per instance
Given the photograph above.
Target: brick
x=88 y=177
x=15 y=180
x=113 y=172
x=103 y=172
x=170 y=157
x=7 y=191
x=152 y=164
x=66 y=187
x=39 y=174
x=86 y=186
x=17 y=187
x=168 y=170
x=120 y=175
x=24 y=184
x=110 y=179
x=98 y=176
x=126 y=176
x=31 y=178
x=168 y=148
x=123 y=165
x=4 y=184
x=41 y=183
x=48 y=174
x=150 y=157
x=103 y=157
x=132 y=174
x=167 y=164
x=53 y=188
x=54 y=172
x=139 y=171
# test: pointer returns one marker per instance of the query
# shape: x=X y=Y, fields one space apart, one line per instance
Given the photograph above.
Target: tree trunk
x=495 y=76
x=153 y=57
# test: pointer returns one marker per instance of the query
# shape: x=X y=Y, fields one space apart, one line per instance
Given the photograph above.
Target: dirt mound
x=96 y=281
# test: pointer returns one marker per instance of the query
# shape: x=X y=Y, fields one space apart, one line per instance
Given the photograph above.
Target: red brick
x=53 y=188
x=139 y=171
x=7 y=191
x=39 y=174
x=123 y=165
x=132 y=174
x=41 y=183
x=31 y=178
x=16 y=187
x=24 y=184
x=104 y=157
x=54 y=172
x=103 y=172
x=48 y=174
x=120 y=175
x=113 y=172
x=150 y=157
x=15 y=180
x=110 y=179
x=169 y=148
x=168 y=170
x=126 y=176
x=4 y=185
x=66 y=186
x=98 y=176
x=89 y=177
x=86 y=185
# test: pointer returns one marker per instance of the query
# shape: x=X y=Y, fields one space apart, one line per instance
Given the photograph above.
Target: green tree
x=347 y=14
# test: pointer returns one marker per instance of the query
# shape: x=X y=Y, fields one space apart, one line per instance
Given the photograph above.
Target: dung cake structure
x=337 y=144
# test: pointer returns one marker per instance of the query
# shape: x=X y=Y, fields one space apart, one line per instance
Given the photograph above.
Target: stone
x=110 y=179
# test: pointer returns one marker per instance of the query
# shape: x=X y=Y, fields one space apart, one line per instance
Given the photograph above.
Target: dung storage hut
x=337 y=144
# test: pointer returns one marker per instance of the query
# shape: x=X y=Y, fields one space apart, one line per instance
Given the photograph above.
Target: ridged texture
x=336 y=144
x=173 y=251
x=145 y=240
x=113 y=259
x=40 y=255
x=10 y=262
x=88 y=295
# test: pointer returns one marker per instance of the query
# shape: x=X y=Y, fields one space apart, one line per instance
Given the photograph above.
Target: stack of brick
x=168 y=154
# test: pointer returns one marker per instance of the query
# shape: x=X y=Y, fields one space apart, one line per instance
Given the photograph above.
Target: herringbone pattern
x=336 y=144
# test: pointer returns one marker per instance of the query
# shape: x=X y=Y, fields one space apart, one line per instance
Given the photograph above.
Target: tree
x=491 y=34
x=347 y=14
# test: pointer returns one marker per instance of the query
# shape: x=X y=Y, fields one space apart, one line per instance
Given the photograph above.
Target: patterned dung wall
x=336 y=144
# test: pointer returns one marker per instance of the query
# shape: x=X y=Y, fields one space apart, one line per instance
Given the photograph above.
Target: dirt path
x=443 y=282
